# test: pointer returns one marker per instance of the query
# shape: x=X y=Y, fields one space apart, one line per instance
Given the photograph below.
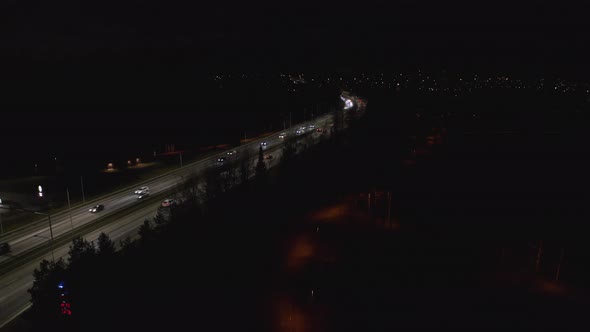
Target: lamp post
x=49 y=219
x=37 y=213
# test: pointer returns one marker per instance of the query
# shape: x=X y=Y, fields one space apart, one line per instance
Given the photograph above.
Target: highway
x=31 y=241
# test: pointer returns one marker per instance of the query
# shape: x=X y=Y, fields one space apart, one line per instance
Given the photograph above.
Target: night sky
x=81 y=36
x=135 y=58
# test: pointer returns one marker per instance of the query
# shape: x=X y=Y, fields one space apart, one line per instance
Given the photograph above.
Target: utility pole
x=50 y=232
x=180 y=159
x=290 y=123
x=70 y=208
x=82 y=186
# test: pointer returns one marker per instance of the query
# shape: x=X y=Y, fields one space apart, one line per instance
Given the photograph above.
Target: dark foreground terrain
x=303 y=252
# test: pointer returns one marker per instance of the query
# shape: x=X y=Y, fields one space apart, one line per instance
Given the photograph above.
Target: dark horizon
x=103 y=44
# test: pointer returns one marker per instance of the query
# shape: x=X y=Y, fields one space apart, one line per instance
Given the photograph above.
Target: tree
x=46 y=278
x=231 y=175
x=338 y=118
x=80 y=249
x=308 y=141
x=227 y=176
x=106 y=246
x=44 y=292
x=161 y=220
x=190 y=190
x=245 y=168
x=126 y=244
x=289 y=150
x=260 y=165
x=212 y=186
x=146 y=233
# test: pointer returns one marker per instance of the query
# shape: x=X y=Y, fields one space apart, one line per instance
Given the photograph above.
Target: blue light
x=60 y=285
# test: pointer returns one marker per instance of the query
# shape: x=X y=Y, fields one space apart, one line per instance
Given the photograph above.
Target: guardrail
x=17 y=233
x=58 y=241
x=9 y=236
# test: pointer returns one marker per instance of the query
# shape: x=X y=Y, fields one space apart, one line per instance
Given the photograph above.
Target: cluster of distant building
x=419 y=81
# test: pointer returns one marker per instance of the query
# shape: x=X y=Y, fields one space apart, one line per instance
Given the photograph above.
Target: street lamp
x=37 y=213
x=70 y=207
x=48 y=218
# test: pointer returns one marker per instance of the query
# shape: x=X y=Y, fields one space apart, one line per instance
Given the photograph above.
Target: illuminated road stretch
x=14 y=297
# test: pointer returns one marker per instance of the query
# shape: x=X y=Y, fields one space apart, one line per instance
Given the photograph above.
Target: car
x=302 y=128
x=311 y=126
x=96 y=208
x=320 y=130
x=268 y=157
x=282 y=135
x=4 y=248
x=263 y=144
x=168 y=202
x=142 y=190
x=299 y=132
x=220 y=159
x=231 y=153
x=144 y=195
